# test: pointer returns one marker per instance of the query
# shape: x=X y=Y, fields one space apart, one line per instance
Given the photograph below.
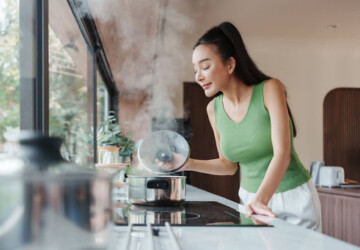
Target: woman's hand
x=256 y=207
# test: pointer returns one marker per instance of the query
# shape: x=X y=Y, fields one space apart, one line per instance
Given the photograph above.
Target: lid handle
x=163 y=155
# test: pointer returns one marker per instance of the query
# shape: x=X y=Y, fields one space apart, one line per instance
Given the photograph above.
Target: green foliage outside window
x=9 y=67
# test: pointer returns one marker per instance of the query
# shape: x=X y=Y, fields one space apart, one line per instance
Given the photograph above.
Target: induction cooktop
x=190 y=213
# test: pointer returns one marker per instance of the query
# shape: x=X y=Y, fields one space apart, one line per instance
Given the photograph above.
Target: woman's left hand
x=257 y=207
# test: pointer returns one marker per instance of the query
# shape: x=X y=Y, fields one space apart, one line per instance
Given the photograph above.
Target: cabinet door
x=331 y=215
x=203 y=146
x=341 y=217
x=351 y=220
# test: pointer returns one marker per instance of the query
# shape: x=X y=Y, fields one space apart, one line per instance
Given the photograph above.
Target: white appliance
x=315 y=171
x=331 y=176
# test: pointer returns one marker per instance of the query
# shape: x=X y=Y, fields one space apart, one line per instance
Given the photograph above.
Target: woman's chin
x=209 y=93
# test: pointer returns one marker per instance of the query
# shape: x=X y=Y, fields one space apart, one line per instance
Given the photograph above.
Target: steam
x=147 y=39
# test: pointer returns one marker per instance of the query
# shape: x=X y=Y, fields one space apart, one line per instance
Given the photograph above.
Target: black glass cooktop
x=191 y=213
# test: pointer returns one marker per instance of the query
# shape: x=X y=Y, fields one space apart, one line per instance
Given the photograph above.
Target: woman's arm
x=275 y=103
x=220 y=166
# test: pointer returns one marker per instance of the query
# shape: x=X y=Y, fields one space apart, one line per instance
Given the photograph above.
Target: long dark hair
x=229 y=43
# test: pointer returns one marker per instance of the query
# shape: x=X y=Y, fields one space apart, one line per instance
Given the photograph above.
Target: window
x=70 y=79
x=102 y=104
x=9 y=68
x=48 y=74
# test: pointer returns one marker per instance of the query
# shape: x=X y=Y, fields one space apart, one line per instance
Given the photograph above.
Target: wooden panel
x=203 y=145
x=331 y=213
x=351 y=220
x=342 y=130
x=340 y=216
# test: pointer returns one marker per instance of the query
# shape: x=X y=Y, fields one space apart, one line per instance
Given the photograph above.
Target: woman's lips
x=205 y=86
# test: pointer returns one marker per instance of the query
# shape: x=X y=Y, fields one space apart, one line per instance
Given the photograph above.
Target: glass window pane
x=69 y=112
x=9 y=68
x=102 y=104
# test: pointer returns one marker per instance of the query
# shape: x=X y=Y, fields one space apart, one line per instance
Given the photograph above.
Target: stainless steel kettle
x=48 y=203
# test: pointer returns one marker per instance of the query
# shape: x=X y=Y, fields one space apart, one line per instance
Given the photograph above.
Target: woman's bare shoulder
x=210 y=107
x=210 y=111
x=273 y=90
x=273 y=84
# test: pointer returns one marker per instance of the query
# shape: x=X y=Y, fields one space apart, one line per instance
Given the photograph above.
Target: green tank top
x=248 y=143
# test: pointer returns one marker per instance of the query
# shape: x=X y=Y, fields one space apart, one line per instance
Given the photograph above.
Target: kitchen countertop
x=352 y=192
x=281 y=236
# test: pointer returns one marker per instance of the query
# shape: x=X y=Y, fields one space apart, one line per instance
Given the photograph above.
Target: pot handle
x=158 y=184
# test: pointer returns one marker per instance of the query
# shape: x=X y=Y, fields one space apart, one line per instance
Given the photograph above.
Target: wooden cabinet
x=341 y=207
x=342 y=130
x=340 y=211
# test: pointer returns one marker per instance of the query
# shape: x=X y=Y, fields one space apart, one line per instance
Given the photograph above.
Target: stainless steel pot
x=47 y=203
x=157 y=190
x=163 y=152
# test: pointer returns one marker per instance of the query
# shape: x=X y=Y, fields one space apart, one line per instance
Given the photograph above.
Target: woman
x=253 y=127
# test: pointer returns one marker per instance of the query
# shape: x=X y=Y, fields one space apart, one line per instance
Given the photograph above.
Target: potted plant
x=112 y=138
x=126 y=148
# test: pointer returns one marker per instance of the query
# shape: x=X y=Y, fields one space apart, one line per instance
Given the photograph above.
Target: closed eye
x=204 y=68
x=207 y=67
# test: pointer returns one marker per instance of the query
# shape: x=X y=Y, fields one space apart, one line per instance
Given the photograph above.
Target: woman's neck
x=236 y=92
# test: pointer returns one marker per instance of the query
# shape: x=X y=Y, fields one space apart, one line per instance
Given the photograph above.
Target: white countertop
x=281 y=236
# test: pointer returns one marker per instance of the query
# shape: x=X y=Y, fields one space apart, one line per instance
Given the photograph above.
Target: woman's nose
x=199 y=77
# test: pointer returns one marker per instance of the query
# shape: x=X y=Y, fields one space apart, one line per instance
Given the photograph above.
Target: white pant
x=299 y=206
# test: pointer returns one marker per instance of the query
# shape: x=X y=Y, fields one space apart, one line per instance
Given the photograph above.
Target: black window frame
x=34 y=88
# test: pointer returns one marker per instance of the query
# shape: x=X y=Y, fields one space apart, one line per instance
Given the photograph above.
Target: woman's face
x=210 y=71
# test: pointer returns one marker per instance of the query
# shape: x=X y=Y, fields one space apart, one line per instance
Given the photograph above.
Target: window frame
x=34 y=107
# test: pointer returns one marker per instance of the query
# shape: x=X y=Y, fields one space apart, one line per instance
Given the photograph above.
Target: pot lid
x=163 y=152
